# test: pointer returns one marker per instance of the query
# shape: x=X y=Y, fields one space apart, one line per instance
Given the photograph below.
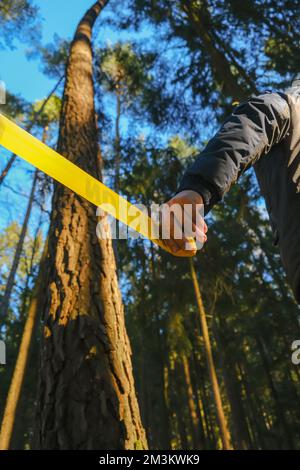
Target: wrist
x=190 y=196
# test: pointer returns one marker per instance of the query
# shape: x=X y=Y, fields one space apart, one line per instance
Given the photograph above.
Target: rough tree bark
x=87 y=396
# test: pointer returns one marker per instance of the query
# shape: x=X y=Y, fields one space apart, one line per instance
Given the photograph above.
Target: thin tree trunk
x=204 y=398
x=241 y=433
x=15 y=388
x=118 y=143
x=191 y=402
x=199 y=404
x=27 y=292
x=177 y=400
x=4 y=304
x=255 y=414
x=163 y=431
x=278 y=406
x=225 y=436
x=87 y=397
x=117 y=167
x=28 y=129
x=199 y=18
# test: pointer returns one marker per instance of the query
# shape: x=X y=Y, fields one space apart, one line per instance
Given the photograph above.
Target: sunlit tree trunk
x=87 y=396
x=15 y=388
x=225 y=436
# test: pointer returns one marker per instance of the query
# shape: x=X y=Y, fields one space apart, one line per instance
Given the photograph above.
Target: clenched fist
x=182 y=223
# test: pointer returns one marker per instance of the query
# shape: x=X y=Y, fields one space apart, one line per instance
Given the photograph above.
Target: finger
x=172 y=245
x=199 y=233
x=189 y=250
x=185 y=240
x=198 y=214
x=193 y=217
x=179 y=246
x=172 y=242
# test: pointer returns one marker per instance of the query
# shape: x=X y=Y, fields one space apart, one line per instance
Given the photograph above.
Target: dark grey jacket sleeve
x=251 y=130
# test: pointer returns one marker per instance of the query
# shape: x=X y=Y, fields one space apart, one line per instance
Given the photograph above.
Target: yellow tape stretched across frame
x=18 y=141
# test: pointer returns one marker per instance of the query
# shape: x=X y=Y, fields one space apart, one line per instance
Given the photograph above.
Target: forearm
x=251 y=130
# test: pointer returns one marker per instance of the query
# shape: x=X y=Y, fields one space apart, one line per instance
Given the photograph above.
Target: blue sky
x=25 y=77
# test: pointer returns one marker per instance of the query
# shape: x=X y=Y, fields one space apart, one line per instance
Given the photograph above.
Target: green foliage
x=18 y=19
x=8 y=241
x=53 y=56
x=238 y=262
x=182 y=149
x=177 y=339
x=202 y=56
x=122 y=70
x=15 y=107
x=50 y=113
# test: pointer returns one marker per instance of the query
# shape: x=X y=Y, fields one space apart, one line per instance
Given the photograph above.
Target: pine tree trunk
x=161 y=419
x=225 y=436
x=15 y=388
x=204 y=404
x=87 y=397
x=117 y=168
x=191 y=402
x=241 y=433
x=254 y=413
x=4 y=305
x=279 y=409
x=199 y=404
x=118 y=143
x=222 y=68
x=177 y=405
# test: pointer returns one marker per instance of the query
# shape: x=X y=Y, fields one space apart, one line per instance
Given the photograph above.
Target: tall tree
x=87 y=397
x=210 y=363
x=14 y=393
x=48 y=114
x=123 y=73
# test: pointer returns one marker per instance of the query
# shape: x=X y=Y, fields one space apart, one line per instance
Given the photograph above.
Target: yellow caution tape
x=20 y=142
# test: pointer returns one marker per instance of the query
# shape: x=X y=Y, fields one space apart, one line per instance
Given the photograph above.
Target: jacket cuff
x=199 y=185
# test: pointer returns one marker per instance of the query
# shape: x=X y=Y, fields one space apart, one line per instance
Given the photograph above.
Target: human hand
x=182 y=223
